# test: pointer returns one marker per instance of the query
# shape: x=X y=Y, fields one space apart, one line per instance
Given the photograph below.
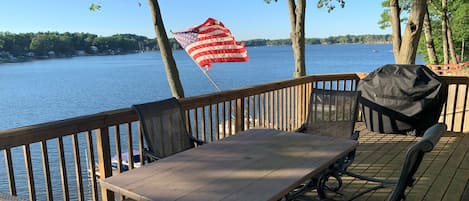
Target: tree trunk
x=297 y=36
x=396 y=27
x=427 y=28
x=462 y=49
x=452 y=51
x=172 y=73
x=444 y=31
x=406 y=51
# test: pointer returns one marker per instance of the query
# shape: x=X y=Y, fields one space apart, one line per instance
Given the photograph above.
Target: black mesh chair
x=411 y=163
x=332 y=113
x=164 y=128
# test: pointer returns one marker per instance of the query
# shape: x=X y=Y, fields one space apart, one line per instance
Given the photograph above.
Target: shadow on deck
x=443 y=174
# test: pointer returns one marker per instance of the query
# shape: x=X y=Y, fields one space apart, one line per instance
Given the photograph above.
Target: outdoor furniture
x=164 y=128
x=411 y=163
x=257 y=164
x=331 y=113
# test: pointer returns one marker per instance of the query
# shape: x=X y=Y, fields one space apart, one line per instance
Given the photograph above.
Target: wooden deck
x=443 y=174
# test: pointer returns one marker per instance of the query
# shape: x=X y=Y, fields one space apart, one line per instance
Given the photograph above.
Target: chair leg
x=362 y=177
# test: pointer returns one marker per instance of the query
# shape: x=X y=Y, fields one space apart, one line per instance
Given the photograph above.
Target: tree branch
x=436 y=8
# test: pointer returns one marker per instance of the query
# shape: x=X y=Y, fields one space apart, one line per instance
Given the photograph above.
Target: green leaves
x=330 y=5
x=94 y=7
x=384 y=22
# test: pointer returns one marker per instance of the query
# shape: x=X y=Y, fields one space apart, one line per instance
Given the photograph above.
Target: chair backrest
x=163 y=127
x=413 y=159
x=332 y=113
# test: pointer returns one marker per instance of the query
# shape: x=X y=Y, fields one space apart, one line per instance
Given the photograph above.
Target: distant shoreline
x=24 y=47
x=23 y=59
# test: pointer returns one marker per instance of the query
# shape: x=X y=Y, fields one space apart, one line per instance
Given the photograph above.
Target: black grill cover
x=404 y=99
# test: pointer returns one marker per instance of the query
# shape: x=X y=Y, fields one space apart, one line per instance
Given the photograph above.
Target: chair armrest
x=197 y=141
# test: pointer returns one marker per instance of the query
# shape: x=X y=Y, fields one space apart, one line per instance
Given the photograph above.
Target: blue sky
x=247 y=19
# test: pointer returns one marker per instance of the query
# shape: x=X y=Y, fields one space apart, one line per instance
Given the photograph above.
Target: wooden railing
x=61 y=160
x=445 y=69
x=280 y=105
x=73 y=148
x=456 y=109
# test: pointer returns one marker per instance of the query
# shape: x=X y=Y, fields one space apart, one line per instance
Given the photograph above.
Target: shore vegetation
x=18 y=47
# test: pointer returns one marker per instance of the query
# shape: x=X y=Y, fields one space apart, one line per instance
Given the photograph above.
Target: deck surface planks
x=443 y=174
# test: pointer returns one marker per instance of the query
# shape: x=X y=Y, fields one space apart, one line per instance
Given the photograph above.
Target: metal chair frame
x=411 y=163
x=331 y=113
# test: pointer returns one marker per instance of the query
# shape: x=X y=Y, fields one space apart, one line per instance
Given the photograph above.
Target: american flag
x=211 y=42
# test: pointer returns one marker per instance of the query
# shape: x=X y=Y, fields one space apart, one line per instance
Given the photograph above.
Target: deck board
x=465 y=195
x=443 y=174
x=448 y=171
x=431 y=172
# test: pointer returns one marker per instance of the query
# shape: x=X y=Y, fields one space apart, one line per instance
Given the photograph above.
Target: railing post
x=239 y=115
x=104 y=160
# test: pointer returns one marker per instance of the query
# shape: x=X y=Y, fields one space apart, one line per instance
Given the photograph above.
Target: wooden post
x=29 y=172
x=10 y=172
x=104 y=160
x=239 y=115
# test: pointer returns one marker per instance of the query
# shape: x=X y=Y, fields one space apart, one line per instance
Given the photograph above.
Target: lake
x=46 y=90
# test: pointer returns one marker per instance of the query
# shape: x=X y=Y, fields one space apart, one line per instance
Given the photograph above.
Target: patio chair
x=411 y=163
x=332 y=113
x=164 y=128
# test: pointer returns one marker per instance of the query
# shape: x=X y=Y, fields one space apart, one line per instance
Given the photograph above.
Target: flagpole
x=205 y=71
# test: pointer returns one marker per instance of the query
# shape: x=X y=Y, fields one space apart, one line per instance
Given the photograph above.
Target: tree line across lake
x=347 y=39
x=48 y=44
x=54 y=44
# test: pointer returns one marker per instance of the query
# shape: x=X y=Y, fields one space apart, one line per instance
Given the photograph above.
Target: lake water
x=46 y=90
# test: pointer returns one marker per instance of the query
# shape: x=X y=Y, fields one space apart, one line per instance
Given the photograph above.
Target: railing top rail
x=217 y=97
x=456 y=79
x=54 y=129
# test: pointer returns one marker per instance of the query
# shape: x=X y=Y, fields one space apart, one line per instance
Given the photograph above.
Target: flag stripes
x=211 y=42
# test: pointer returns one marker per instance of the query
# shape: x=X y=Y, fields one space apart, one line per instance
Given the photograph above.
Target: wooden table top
x=258 y=164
